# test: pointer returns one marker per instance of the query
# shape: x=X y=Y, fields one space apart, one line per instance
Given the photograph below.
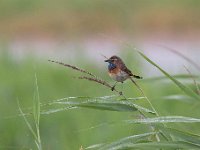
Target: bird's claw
x=113 y=88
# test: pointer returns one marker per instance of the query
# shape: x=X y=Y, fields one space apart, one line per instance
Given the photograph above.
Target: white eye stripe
x=114 y=59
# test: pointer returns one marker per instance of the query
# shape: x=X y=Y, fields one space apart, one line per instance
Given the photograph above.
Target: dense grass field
x=68 y=124
x=44 y=105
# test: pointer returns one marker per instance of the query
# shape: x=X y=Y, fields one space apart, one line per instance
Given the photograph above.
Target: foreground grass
x=67 y=123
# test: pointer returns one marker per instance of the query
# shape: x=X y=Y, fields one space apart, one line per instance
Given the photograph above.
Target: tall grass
x=163 y=134
x=36 y=116
x=144 y=127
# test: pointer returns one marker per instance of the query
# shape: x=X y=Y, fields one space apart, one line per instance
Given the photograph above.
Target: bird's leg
x=113 y=87
x=122 y=86
x=120 y=93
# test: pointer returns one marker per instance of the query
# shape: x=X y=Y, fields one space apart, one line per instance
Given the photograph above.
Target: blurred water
x=93 y=49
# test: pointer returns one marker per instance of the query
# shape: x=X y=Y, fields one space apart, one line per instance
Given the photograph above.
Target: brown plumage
x=118 y=70
x=118 y=65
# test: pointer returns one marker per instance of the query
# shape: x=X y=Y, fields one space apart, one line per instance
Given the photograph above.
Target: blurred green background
x=78 y=32
x=74 y=18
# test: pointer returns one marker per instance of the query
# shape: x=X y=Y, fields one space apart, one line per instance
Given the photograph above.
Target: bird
x=118 y=71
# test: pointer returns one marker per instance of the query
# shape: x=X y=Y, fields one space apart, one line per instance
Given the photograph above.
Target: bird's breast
x=118 y=75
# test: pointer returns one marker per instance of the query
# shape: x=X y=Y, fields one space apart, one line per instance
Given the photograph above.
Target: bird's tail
x=138 y=87
x=137 y=77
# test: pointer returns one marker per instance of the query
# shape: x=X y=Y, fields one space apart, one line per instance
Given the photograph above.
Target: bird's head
x=113 y=60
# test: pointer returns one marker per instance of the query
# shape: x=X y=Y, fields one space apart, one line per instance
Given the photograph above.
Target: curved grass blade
x=52 y=102
x=161 y=145
x=95 y=146
x=127 y=140
x=194 y=80
x=185 y=136
x=112 y=105
x=27 y=122
x=144 y=109
x=103 y=103
x=56 y=110
x=100 y=105
x=36 y=116
x=165 y=119
x=184 y=88
x=182 y=56
x=108 y=106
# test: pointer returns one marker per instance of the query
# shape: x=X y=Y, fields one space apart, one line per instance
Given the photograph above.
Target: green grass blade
x=36 y=103
x=66 y=99
x=111 y=105
x=36 y=113
x=188 y=137
x=26 y=121
x=102 y=103
x=165 y=119
x=127 y=140
x=143 y=109
x=56 y=110
x=95 y=146
x=161 y=145
x=108 y=106
x=182 y=56
x=184 y=88
x=36 y=116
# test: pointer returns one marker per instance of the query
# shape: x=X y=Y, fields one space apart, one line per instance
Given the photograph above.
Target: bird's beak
x=107 y=60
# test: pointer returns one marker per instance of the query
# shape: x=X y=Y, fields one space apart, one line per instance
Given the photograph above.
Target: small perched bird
x=118 y=71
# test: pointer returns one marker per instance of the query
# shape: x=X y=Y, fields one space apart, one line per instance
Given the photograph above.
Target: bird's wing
x=125 y=69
